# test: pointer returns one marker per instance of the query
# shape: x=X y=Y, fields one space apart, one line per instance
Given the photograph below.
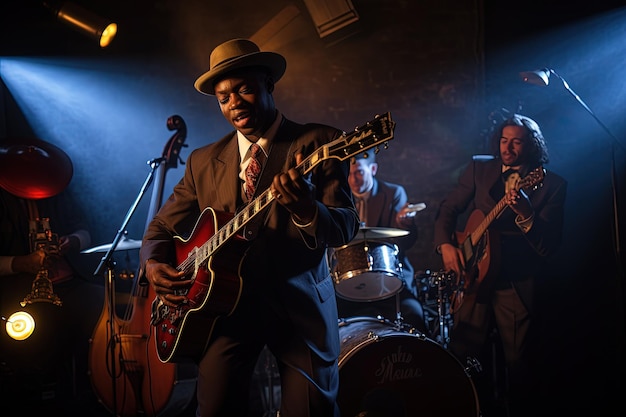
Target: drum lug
x=473 y=367
x=372 y=336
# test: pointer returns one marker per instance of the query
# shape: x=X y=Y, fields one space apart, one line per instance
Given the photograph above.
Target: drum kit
x=388 y=367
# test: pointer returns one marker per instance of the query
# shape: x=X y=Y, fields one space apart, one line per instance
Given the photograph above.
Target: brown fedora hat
x=235 y=54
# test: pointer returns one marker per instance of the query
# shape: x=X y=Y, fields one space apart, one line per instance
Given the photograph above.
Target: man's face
x=246 y=101
x=514 y=145
x=361 y=177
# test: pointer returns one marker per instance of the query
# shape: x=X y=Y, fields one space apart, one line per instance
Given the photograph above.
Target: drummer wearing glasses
x=378 y=253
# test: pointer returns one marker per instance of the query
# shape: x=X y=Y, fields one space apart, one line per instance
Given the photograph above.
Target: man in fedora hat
x=283 y=295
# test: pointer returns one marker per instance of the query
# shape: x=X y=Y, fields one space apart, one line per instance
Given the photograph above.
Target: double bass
x=126 y=373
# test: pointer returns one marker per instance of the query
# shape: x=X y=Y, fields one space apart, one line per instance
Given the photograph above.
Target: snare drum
x=367 y=271
x=383 y=367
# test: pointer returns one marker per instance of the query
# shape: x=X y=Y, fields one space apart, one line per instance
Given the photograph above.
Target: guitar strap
x=275 y=162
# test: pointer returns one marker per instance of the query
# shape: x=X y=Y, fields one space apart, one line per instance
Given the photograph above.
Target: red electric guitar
x=182 y=333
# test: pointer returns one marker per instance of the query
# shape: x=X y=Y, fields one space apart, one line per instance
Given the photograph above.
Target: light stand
x=542 y=78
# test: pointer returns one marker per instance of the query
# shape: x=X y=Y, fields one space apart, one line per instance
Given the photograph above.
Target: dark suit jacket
x=521 y=255
x=282 y=265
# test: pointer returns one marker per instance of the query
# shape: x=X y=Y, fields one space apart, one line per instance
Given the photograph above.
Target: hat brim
x=274 y=62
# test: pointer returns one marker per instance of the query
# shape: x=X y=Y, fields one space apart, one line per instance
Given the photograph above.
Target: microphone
x=539 y=77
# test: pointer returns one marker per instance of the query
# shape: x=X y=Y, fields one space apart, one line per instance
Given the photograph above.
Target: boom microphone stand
x=542 y=78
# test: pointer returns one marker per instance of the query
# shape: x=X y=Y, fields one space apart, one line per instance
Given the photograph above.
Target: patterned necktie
x=252 y=171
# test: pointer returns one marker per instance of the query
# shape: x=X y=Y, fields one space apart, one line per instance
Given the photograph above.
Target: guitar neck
x=247 y=214
x=490 y=217
x=532 y=180
x=363 y=138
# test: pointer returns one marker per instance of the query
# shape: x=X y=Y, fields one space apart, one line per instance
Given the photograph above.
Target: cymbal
x=33 y=168
x=367 y=233
x=124 y=244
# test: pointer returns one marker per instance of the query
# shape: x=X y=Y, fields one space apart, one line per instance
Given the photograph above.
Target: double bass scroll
x=126 y=373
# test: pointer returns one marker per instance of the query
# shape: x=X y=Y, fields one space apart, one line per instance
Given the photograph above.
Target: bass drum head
x=386 y=371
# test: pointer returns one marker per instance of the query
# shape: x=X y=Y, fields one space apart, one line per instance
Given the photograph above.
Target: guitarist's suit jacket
x=283 y=266
x=520 y=256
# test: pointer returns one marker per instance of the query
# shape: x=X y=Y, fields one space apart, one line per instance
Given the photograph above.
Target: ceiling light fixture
x=84 y=21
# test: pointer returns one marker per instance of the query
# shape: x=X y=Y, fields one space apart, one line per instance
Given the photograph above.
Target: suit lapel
x=226 y=173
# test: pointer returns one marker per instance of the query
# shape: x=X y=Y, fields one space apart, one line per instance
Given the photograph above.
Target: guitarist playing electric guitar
x=516 y=222
x=264 y=278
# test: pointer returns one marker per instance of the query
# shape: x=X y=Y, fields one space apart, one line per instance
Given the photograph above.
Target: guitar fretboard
x=532 y=179
x=363 y=138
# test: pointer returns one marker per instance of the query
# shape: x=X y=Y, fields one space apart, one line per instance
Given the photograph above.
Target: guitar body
x=480 y=262
x=213 y=253
x=477 y=255
x=183 y=333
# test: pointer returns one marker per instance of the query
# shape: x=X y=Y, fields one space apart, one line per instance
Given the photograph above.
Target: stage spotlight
x=539 y=77
x=20 y=325
x=84 y=21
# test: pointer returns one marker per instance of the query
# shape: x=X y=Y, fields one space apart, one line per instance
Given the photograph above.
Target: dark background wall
x=444 y=69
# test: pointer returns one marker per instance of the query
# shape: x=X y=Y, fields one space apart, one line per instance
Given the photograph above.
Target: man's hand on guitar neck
x=294 y=192
x=518 y=202
x=452 y=258
x=167 y=281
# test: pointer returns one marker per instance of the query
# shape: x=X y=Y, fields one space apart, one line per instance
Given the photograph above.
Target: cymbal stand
x=399 y=319
x=109 y=263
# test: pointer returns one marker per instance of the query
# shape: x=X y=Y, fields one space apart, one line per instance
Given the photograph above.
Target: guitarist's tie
x=252 y=171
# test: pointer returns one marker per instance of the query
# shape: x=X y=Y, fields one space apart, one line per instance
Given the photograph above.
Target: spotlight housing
x=20 y=325
x=88 y=23
x=539 y=77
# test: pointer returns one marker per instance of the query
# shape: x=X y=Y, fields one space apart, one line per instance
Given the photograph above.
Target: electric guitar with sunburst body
x=212 y=255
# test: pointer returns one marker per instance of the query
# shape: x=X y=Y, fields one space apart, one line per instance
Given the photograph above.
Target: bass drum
x=388 y=371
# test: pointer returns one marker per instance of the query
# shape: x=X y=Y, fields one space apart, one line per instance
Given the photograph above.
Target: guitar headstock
x=533 y=179
x=374 y=133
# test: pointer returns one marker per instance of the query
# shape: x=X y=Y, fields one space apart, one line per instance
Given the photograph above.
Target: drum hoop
x=373 y=335
x=376 y=243
x=356 y=272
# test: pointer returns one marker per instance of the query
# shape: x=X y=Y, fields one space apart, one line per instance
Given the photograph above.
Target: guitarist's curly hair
x=539 y=152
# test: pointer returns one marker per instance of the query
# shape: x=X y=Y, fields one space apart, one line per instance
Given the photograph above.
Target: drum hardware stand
x=441 y=281
x=399 y=319
x=473 y=366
